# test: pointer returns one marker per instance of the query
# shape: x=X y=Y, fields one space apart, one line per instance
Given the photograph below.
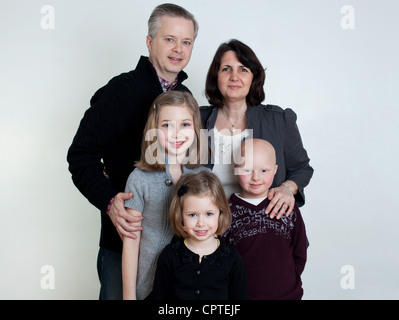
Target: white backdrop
x=334 y=62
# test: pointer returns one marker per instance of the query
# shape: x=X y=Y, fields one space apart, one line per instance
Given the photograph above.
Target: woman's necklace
x=232 y=129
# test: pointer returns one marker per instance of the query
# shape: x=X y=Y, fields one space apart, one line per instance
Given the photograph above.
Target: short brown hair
x=248 y=58
x=197 y=153
x=171 y=10
x=203 y=183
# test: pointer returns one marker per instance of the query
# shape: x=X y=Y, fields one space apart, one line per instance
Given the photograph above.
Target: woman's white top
x=226 y=148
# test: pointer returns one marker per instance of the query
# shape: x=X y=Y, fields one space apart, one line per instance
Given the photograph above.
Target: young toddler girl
x=198 y=266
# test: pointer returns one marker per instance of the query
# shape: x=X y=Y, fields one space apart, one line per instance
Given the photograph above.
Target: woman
x=234 y=88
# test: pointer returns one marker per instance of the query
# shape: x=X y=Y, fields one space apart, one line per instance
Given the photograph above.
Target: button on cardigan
x=152 y=197
x=180 y=275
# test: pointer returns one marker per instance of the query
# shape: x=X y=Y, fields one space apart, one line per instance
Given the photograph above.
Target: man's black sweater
x=109 y=138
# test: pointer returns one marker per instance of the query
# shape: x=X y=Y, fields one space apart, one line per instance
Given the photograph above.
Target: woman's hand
x=282 y=199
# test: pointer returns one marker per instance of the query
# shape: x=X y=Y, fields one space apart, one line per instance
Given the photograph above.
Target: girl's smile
x=200 y=218
x=201 y=233
x=175 y=130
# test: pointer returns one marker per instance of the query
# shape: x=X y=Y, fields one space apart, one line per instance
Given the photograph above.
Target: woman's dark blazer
x=278 y=126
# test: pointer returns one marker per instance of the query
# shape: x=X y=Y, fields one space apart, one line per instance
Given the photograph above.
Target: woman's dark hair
x=248 y=58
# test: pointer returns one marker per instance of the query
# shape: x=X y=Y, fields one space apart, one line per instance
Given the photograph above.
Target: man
x=108 y=140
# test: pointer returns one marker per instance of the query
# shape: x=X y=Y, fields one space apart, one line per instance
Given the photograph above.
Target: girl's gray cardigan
x=152 y=194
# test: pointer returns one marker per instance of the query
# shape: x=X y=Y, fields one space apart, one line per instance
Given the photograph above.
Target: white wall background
x=341 y=82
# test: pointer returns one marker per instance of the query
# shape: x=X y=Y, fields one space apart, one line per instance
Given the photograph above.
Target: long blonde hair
x=197 y=153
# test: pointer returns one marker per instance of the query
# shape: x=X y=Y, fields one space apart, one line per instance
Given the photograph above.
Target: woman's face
x=234 y=79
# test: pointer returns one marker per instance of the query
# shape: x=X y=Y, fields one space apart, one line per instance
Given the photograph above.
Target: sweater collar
x=235 y=198
x=187 y=256
x=146 y=67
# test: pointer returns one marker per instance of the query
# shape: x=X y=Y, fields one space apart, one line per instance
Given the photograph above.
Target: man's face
x=170 y=50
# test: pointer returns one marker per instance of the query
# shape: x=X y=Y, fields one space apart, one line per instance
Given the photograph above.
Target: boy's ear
x=275 y=170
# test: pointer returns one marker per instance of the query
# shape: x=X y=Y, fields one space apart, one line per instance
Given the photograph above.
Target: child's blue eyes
x=193 y=215
x=167 y=125
x=249 y=171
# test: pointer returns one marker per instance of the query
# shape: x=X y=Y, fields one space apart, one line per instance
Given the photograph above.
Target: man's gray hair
x=171 y=10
